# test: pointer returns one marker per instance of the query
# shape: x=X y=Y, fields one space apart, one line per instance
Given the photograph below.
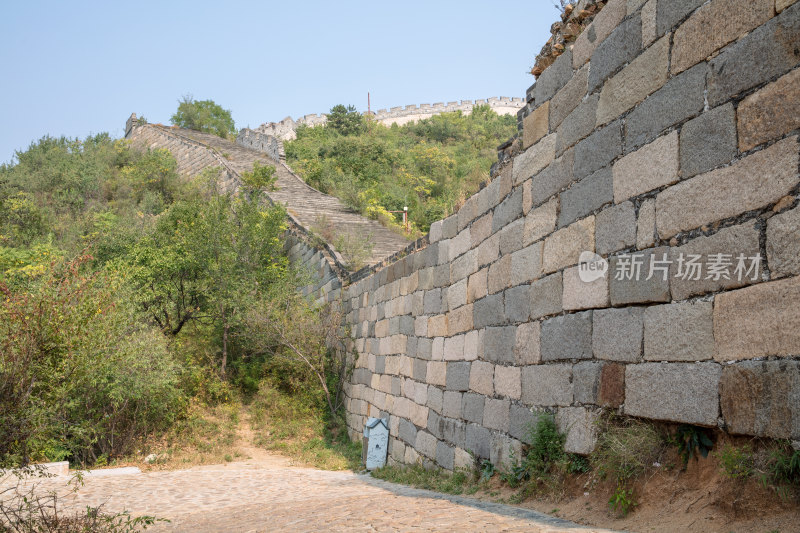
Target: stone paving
x=273 y=496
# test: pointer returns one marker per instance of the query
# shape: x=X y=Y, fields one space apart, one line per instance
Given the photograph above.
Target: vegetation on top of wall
x=430 y=166
x=204 y=115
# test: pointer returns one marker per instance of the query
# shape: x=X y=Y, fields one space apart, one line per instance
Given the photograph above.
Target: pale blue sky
x=75 y=68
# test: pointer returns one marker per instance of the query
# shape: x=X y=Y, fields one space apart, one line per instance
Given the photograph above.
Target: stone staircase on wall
x=307 y=207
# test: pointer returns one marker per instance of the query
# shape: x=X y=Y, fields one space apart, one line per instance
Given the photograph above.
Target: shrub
x=205 y=116
x=736 y=462
x=78 y=377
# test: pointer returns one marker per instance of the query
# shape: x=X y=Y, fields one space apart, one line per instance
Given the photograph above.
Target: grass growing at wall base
x=296 y=426
x=458 y=482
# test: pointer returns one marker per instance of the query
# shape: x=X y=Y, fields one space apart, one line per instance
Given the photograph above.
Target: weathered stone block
x=620 y=47
x=758 y=180
x=563 y=248
x=679 y=392
x=674 y=11
x=679 y=332
x=488 y=251
x=504 y=451
x=437 y=326
x=649 y=27
x=472 y=344
x=437 y=373
x=432 y=302
x=511 y=237
x=713 y=26
x=526 y=264
x=478 y=439
x=579 y=294
x=586 y=381
x=708 y=141
x=459 y=244
x=598 y=150
x=480 y=230
x=758 y=321
x=646 y=74
x=567 y=337
x=457 y=294
x=535 y=125
x=648 y=168
x=496 y=414
x=762 y=398
x=460 y=320
x=617 y=334
x=780 y=5
x=451 y=406
x=764 y=53
x=426 y=444
x=586 y=196
x=558 y=175
x=498 y=344
x=733 y=242
x=458 y=376
x=629 y=273
x=521 y=421
x=454 y=348
x=435 y=398
x=553 y=78
x=477 y=285
x=540 y=222
x=518 y=303
x=509 y=210
x=682 y=97
x=508 y=381
x=481 y=378
x=569 y=97
x=526 y=346
x=547 y=385
x=615 y=228
x=472 y=407
x=580 y=426
x=407 y=432
x=489 y=311
x=578 y=124
x=771 y=112
x=445 y=455
x=546 y=296
x=783 y=243
x=500 y=274
x=600 y=28
x=450 y=227
x=532 y=161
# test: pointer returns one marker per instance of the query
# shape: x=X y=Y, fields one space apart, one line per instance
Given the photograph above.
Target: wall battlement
x=502 y=105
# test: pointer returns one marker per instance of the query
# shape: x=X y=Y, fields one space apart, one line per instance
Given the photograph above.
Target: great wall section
x=286 y=128
x=664 y=140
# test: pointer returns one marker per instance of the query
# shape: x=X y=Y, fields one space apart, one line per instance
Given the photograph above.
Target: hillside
x=430 y=166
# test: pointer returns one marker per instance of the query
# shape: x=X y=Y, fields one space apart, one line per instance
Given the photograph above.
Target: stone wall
x=666 y=137
x=267 y=143
x=192 y=157
x=285 y=129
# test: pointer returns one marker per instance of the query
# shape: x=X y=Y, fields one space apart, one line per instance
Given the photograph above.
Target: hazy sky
x=75 y=68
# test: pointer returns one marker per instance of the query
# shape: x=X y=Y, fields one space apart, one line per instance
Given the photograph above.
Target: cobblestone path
x=273 y=496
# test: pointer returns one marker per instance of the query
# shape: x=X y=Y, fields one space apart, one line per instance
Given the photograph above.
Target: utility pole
x=369 y=115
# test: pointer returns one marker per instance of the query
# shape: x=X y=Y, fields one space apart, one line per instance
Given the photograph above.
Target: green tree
x=207 y=259
x=205 y=116
x=345 y=120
